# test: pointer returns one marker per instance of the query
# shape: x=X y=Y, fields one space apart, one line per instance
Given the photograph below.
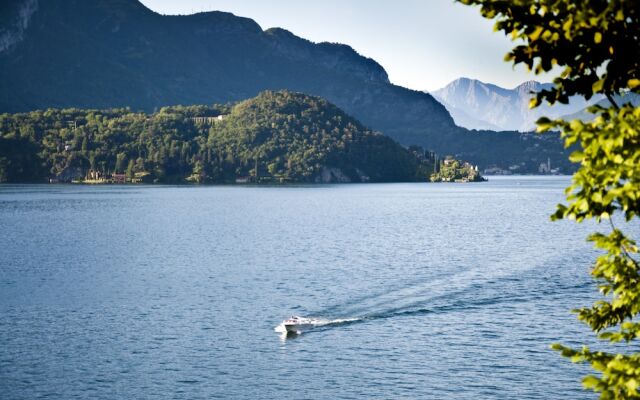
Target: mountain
x=103 y=54
x=116 y=53
x=478 y=105
x=275 y=137
x=307 y=139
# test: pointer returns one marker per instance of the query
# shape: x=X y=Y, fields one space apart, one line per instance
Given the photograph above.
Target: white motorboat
x=297 y=324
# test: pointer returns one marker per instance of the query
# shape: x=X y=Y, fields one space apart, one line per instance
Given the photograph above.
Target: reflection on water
x=287 y=335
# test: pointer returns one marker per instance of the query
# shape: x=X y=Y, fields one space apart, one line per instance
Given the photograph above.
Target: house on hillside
x=207 y=120
x=118 y=178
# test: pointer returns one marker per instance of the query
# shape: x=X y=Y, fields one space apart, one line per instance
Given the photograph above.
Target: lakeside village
x=544 y=169
x=445 y=170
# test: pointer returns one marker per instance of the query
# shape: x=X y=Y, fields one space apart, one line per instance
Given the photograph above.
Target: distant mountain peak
x=477 y=105
x=226 y=21
x=281 y=32
x=529 y=84
x=336 y=56
x=465 y=81
x=530 y=87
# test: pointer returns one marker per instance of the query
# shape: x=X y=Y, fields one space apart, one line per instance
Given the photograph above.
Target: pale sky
x=423 y=44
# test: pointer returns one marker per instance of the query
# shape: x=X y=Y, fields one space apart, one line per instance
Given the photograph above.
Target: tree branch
x=612 y=101
x=626 y=253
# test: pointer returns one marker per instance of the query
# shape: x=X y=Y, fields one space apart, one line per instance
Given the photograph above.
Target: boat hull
x=297 y=327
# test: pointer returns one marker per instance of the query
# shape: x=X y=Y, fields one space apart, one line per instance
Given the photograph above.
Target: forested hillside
x=275 y=137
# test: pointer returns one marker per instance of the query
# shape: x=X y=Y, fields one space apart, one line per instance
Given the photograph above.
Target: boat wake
x=464 y=292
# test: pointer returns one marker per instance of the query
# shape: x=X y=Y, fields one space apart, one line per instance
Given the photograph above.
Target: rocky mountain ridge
x=478 y=105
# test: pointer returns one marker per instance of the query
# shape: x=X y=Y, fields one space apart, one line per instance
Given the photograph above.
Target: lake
x=434 y=291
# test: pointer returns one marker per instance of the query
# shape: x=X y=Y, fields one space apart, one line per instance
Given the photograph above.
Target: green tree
x=139 y=167
x=121 y=160
x=198 y=173
x=130 y=169
x=595 y=44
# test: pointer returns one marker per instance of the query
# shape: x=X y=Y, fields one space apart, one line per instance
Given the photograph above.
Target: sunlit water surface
x=430 y=291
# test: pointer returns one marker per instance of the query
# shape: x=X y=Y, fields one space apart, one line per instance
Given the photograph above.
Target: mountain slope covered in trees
x=103 y=54
x=117 y=53
x=275 y=137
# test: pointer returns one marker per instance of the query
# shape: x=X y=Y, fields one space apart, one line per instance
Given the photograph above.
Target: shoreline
x=272 y=184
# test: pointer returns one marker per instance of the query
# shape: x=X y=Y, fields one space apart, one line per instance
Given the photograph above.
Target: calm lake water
x=450 y=291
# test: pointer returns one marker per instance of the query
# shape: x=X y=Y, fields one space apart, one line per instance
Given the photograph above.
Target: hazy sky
x=423 y=44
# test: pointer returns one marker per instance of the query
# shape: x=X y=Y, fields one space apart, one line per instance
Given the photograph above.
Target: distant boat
x=297 y=324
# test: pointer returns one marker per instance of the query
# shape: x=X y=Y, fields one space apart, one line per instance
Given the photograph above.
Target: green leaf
x=533 y=36
x=597 y=37
x=576 y=156
x=590 y=382
x=534 y=102
x=597 y=86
